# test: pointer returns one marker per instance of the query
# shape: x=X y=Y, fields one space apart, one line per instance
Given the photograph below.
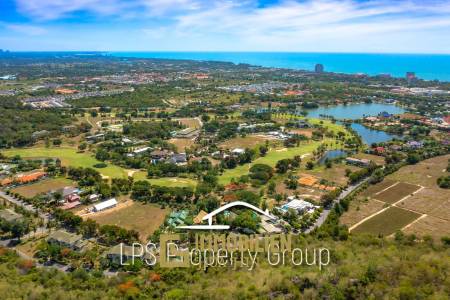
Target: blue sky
x=395 y=26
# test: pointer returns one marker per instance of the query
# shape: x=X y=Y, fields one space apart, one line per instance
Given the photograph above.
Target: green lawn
x=270 y=159
x=325 y=123
x=166 y=181
x=69 y=157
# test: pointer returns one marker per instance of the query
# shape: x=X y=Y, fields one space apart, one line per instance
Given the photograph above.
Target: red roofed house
x=380 y=150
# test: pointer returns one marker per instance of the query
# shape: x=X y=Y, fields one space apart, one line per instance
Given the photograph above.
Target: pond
x=332 y=154
x=354 y=111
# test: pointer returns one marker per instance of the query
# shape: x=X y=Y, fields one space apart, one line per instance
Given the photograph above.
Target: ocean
x=426 y=66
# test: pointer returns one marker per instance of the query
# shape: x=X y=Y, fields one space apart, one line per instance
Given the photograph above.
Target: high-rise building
x=410 y=76
x=319 y=68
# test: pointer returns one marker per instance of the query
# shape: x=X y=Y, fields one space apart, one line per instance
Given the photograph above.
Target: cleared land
x=387 y=222
x=396 y=192
x=69 y=157
x=190 y=122
x=250 y=141
x=359 y=210
x=166 y=181
x=144 y=218
x=376 y=188
x=43 y=186
x=181 y=144
x=429 y=225
x=431 y=203
x=336 y=174
x=379 y=160
x=306 y=132
x=424 y=173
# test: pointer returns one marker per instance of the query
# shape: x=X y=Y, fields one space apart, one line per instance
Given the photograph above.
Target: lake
x=358 y=111
x=370 y=136
x=354 y=111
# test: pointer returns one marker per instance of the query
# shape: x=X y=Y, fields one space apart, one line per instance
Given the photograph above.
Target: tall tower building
x=318 y=68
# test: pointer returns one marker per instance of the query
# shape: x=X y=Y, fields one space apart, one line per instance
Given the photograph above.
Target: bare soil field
x=181 y=144
x=144 y=218
x=379 y=160
x=250 y=141
x=387 y=222
x=360 y=209
x=397 y=192
x=190 y=122
x=424 y=173
x=429 y=201
x=429 y=225
x=306 y=132
x=43 y=186
x=376 y=188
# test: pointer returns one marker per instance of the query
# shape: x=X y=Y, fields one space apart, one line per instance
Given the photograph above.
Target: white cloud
x=288 y=25
x=26 y=29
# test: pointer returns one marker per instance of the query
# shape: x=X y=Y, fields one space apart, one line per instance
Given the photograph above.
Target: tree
x=249 y=197
x=263 y=150
x=247 y=219
x=413 y=158
x=309 y=165
x=82 y=146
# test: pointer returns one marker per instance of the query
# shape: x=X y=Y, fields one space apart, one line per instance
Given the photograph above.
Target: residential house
x=298 y=205
x=159 y=155
x=414 y=144
x=66 y=239
x=179 y=159
x=199 y=218
x=357 y=162
x=95 y=138
x=122 y=253
x=237 y=151
x=40 y=134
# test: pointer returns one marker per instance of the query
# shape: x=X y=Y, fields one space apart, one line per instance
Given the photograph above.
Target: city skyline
x=193 y=25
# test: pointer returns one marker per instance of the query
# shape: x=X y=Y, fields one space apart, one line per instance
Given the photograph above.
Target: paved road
x=24 y=205
x=324 y=215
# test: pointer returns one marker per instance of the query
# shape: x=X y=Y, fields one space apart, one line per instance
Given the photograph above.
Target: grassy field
x=43 y=186
x=69 y=157
x=144 y=218
x=166 y=181
x=359 y=210
x=335 y=128
x=424 y=173
x=376 y=188
x=431 y=202
x=190 y=122
x=335 y=174
x=270 y=159
x=396 y=192
x=181 y=144
x=387 y=222
x=429 y=225
x=379 y=160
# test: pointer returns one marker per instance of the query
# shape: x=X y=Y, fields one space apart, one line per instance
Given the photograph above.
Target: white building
x=237 y=151
x=298 y=205
x=105 y=205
